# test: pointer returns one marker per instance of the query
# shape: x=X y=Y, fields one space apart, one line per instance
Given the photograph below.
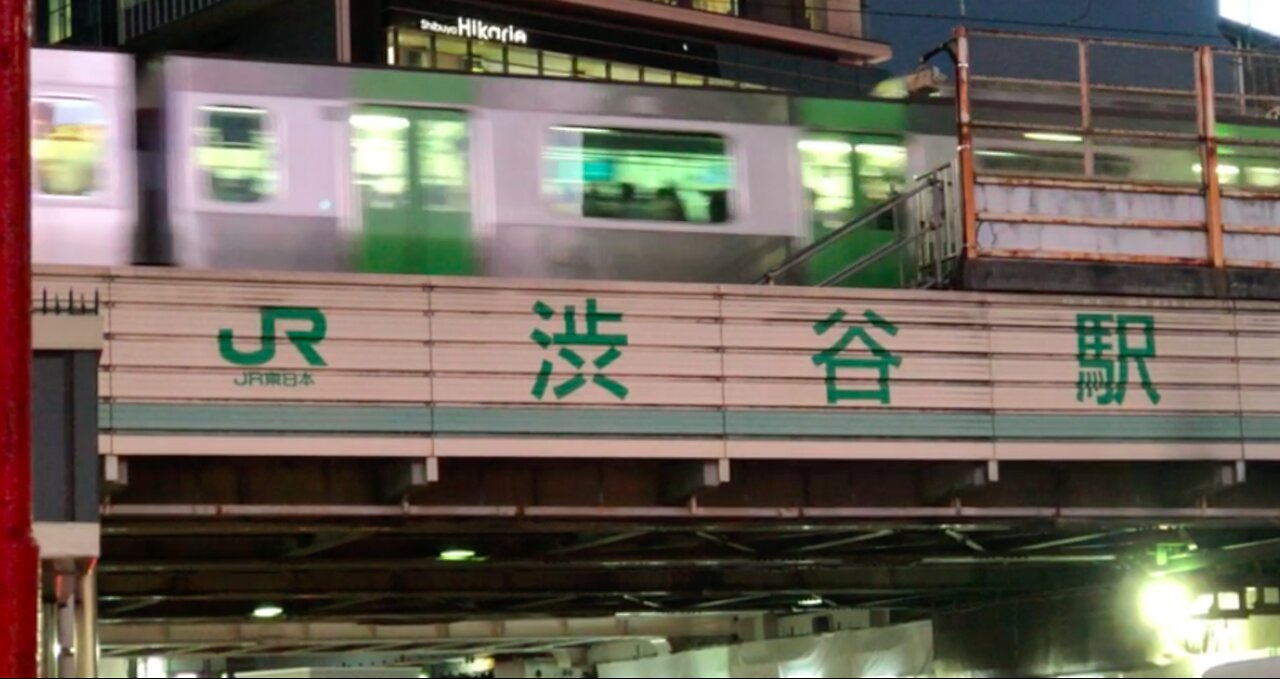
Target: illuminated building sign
x=1260 y=15
x=479 y=30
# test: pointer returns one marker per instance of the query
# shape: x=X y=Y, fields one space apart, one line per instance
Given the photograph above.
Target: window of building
x=59 y=20
x=67 y=145
x=642 y=175
x=237 y=154
x=523 y=61
x=717 y=6
x=419 y=49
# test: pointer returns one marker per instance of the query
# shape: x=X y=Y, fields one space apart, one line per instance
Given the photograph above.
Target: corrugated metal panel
x=553 y=420
x=860 y=450
x=192 y=321
x=776 y=424
x=518 y=390
x=299 y=445
x=233 y=385
x=1043 y=426
x=198 y=352
x=240 y=418
x=580 y=448
x=526 y=360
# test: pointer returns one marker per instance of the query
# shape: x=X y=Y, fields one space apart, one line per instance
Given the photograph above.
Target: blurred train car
x=251 y=165
x=84 y=193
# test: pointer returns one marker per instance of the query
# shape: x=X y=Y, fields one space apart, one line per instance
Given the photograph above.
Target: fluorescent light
x=240 y=110
x=1223 y=170
x=379 y=123
x=826 y=146
x=1056 y=137
x=268 y=612
x=810 y=602
x=997 y=154
x=1164 y=602
x=581 y=130
x=881 y=151
x=457 y=555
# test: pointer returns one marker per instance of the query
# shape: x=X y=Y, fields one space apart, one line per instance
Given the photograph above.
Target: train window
x=67 y=145
x=237 y=154
x=443 y=175
x=380 y=144
x=827 y=169
x=643 y=175
x=846 y=175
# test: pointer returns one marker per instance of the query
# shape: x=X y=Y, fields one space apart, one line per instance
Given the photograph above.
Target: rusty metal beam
x=845 y=542
x=603 y=541
x=964 y=135
x=1206 y=116
x=324 y=543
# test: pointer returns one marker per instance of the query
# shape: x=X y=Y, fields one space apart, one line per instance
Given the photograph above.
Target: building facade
x=817 y=48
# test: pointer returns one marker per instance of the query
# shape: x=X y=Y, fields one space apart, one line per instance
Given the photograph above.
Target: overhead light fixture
x=581 y=130
x=1164 y=601
x=268 y=612
x=379 y=123
x=811 y=602
x=1223 y=170
x=1056 y=137
x=887 y=151
x=831 y=146
x=457 y=555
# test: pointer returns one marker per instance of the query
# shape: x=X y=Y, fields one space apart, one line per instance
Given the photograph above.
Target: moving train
x=231 y=164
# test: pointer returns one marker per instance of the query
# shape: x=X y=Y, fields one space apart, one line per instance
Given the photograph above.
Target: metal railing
x=1138 y=116
x=926 y=237
x=140 y=17
x=72 y=305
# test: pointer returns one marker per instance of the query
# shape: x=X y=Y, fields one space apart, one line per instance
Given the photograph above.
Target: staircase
x=926 y=239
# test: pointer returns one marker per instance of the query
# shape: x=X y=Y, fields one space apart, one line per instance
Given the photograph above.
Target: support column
x=1207 y=117
x=964 y=135
x=87 y=624
x=66 y=624
x=48 y=639
x=19 y=566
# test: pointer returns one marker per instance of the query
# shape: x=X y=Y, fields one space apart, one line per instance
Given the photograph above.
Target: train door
x=411 y=168
x=845 y=176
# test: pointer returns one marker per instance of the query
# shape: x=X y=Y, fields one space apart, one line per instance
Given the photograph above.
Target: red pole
x=19 y=565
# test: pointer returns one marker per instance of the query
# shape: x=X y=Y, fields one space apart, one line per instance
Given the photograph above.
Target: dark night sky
x=911 y=36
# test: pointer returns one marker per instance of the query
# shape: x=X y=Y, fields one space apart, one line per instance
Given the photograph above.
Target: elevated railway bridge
x=417 y=467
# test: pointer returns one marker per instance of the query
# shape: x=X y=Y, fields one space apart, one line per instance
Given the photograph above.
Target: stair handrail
x=925 y=182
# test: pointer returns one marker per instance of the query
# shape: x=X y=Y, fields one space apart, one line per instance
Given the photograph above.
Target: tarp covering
x=901 y=651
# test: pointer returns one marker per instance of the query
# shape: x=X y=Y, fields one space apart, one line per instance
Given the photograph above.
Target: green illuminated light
x=268 y=612
x=457 y=555
x=1056 y=137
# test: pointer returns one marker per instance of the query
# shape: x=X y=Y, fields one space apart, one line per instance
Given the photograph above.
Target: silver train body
x=148 y=198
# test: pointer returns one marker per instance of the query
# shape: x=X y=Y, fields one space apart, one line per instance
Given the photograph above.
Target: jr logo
x=304 y=341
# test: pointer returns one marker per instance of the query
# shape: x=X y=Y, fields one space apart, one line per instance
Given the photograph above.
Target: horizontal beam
x=906 y=514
